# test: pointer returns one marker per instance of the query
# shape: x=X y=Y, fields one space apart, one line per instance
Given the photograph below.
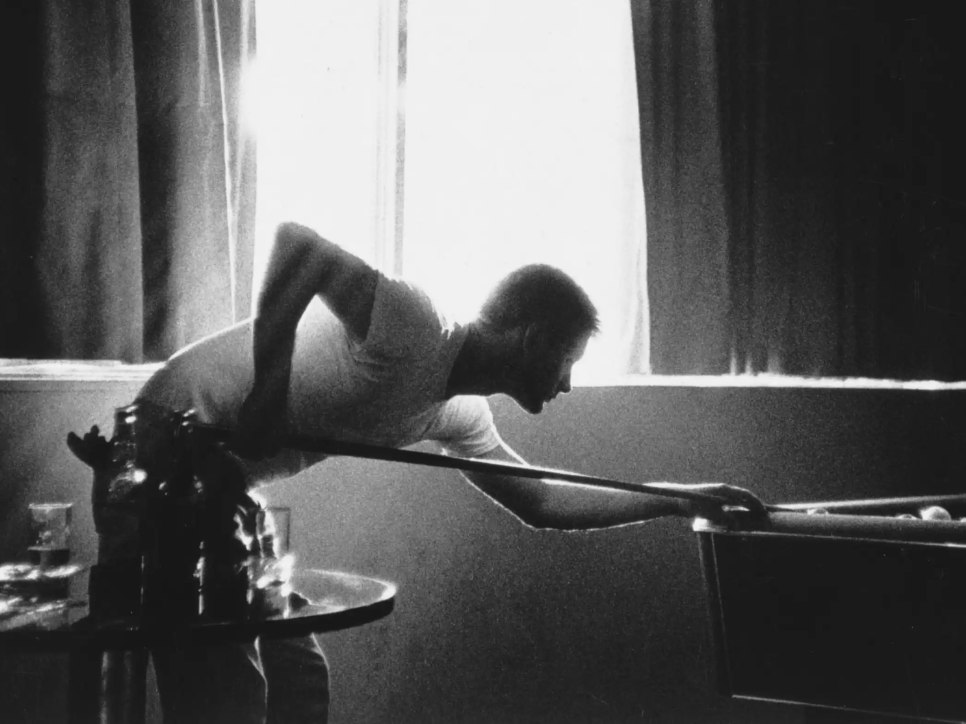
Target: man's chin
x=533 y=406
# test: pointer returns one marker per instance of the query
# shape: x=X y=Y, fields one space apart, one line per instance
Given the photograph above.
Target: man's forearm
x=293 y=277
x=558 y=505
x=571 y=506
x=273 y=347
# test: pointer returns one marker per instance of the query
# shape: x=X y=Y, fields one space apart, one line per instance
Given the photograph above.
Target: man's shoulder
x=404 y=296
x=404 y=316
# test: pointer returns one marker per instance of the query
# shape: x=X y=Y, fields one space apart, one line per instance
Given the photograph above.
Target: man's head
x=550 y=318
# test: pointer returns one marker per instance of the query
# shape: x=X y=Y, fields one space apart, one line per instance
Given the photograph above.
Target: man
x=339 y=350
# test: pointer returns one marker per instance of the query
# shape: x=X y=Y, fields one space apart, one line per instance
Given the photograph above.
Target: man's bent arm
x=302 y=264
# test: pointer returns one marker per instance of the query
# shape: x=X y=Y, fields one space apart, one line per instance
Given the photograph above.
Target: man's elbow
x=291 y=235
x=524 y=498
x=529 y=510
x=299 y=251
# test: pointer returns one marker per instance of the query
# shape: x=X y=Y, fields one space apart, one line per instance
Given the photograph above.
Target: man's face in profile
x=546 y=369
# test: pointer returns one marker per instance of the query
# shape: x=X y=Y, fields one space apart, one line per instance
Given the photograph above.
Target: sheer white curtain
x=521 y=145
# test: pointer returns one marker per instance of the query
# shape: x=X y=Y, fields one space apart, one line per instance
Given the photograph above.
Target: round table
x=108 y=657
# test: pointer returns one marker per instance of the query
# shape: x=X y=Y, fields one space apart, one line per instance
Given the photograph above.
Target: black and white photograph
x=482 y=361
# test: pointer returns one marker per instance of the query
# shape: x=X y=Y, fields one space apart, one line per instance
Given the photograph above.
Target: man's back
x=388 y=389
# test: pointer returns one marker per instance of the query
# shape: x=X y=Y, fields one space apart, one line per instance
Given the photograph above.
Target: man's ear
x=535 y=340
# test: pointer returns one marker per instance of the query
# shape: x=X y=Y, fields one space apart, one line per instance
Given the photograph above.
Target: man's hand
x=717 y=498
x=262 y=423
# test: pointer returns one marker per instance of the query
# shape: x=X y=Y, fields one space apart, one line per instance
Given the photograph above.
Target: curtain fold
x=128 y=227
x=687 y=251
x=803 y=165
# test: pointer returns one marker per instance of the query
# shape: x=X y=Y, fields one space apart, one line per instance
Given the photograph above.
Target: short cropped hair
x=544 y=295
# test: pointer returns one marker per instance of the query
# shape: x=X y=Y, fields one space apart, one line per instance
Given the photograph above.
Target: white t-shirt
x=386 y=390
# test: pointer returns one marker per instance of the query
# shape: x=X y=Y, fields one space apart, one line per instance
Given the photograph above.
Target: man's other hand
x=262 y=424
x=716 y=499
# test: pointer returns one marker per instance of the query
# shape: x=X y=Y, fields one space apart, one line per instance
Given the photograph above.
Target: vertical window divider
x=391 y=139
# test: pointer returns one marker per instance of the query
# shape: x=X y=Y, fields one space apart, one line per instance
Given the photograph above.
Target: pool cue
x=340 y=448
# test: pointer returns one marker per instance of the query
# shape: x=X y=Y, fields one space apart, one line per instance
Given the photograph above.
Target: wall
x=495 y=622
x=37 y=410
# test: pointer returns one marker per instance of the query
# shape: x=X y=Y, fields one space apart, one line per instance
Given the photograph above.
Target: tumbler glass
x=49 y=533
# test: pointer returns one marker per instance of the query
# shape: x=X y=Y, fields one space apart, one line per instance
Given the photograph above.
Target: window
x=507 y=134
x=317 y=96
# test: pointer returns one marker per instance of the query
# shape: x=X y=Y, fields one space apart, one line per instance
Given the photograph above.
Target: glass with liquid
x=270 y=569
x=49 y=534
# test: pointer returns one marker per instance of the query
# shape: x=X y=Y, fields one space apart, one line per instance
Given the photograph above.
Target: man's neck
x=481 y=366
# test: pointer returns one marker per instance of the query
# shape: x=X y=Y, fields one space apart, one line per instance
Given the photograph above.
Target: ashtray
x=27 y=580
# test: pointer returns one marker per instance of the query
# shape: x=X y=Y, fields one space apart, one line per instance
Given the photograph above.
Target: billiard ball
x=935 y=512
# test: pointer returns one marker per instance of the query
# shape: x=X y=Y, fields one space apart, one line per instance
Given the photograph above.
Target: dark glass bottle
x=118 y=503
x=171 y=535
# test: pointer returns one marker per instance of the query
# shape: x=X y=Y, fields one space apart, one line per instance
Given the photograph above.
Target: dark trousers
x=271 y=681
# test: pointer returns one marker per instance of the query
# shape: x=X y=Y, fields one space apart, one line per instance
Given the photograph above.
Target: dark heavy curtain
x=127 y=191
x=804 y=180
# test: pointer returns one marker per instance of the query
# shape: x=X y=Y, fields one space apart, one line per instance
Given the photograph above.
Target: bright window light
x=317 y=90
x=522 y=145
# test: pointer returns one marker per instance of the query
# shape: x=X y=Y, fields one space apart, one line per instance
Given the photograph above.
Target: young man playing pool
x=338 y=350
